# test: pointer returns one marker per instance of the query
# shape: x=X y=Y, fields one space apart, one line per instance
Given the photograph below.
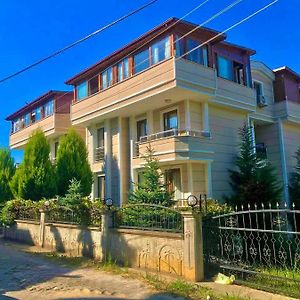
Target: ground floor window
x=173 y=182
x=100 y=187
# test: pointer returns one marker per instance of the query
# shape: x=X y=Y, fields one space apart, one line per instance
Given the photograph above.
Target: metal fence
x=29 y=213
x=62 y=214
x=148 y=217
x=260 y=244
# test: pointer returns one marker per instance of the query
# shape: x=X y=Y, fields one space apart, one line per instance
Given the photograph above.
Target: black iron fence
x=28 y=213
x=148 y=217
x=257 y=243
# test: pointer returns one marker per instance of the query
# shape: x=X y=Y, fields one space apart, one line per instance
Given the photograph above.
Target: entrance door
x=173 y=182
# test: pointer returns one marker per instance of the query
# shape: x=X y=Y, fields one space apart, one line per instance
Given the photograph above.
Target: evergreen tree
x=35 y=178
x=254 y=180
x=151 y=189
x=7 y=170
x=294 y=187
x=73 y=196
x=72 y=162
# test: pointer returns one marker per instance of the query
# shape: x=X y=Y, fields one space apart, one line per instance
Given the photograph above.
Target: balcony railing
x=99 y=154
x=170 y=133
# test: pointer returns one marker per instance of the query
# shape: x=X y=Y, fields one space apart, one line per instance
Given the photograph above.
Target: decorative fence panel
x=261 y=245
x=148 y=217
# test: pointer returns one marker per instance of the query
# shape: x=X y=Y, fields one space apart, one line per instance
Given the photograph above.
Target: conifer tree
x=7 y=170
x=72 y=162
x=151 y=189
x=254 y=179
x=294 y=187
x=35 y=177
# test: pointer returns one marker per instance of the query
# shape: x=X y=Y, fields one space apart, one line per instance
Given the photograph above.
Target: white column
x=187 y=115
x=251 y=124
x=132 y=138
x=150 y=122
x=209 y=180
x=190 y=179
x=283 y=163
x=108 y=158
x=205 y=116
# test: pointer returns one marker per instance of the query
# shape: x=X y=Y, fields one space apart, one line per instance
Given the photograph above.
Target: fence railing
x=29 y=213
x=99 y=154
x=148 y=217
x=260 y=242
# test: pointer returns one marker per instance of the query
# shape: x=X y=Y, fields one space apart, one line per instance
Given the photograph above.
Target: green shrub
x=213 y=208
x=15 y=209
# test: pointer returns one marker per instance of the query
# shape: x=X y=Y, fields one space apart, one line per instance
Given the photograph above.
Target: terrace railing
x=149 y=217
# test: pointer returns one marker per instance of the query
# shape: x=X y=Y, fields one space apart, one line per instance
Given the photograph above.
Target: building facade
x=185 y=91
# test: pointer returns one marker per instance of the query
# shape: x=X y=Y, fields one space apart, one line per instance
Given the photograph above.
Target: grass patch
x=186 y=289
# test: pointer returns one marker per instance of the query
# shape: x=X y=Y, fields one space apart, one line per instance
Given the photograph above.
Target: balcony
x=174 y=145
x=175 y=79
x=52 y=126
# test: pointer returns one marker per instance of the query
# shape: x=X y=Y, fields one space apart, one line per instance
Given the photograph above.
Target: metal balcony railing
x=170 y=133
x=99 y=154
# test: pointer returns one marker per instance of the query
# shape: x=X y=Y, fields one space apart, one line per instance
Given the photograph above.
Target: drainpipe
x=283 y=163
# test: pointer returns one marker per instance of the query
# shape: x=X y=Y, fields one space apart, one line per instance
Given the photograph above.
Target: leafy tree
x=35 y=177
x=7 y=170
x=254 y=180
x=294 y=187
x=151 y=189
x=72 y=162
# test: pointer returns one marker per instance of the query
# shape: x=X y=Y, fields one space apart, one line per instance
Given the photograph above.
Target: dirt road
x=27 y=276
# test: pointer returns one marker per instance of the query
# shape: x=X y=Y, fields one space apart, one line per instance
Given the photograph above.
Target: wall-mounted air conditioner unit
x=261 y=101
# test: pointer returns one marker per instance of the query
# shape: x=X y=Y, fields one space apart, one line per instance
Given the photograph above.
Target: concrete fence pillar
x=106 y=224
x=193 y=247
x=43 y=220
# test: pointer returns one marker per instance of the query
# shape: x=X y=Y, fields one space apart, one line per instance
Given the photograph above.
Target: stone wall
x=175 y=253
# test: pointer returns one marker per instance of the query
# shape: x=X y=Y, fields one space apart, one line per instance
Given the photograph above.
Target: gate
x=258 y=245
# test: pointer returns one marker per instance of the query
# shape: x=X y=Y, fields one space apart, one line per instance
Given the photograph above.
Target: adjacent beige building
x=186 y=98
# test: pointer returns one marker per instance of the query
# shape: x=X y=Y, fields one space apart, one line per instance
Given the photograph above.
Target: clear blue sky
x=32 y=29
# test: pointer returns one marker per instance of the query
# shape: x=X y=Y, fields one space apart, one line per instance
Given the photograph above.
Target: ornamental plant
x=151 y=189
x=254 y=179
x=72 y=163
x=294 y=187
x=35 y=177
x=7 y=170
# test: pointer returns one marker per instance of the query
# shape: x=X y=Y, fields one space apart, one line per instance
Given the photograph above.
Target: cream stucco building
x=186 y=92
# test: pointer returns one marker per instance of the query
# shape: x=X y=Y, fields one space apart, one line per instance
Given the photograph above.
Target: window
x=38 y=114
x=81 y=90
x=16 y=125
x=258 y=90
x=173 y=182
x=224 y=67
x=261 y=150
x=48 y=109
x=100 y=137
x=141 y=61
x=179 y=45
x=123 y=69
x=170 y=120
x=198 y=55
x=93 y=85
x=106 y=78
x=33 y=116
x=100 y=189
x=27 y=119
x=141 y=127
x=160 y=50
x=238 y=72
